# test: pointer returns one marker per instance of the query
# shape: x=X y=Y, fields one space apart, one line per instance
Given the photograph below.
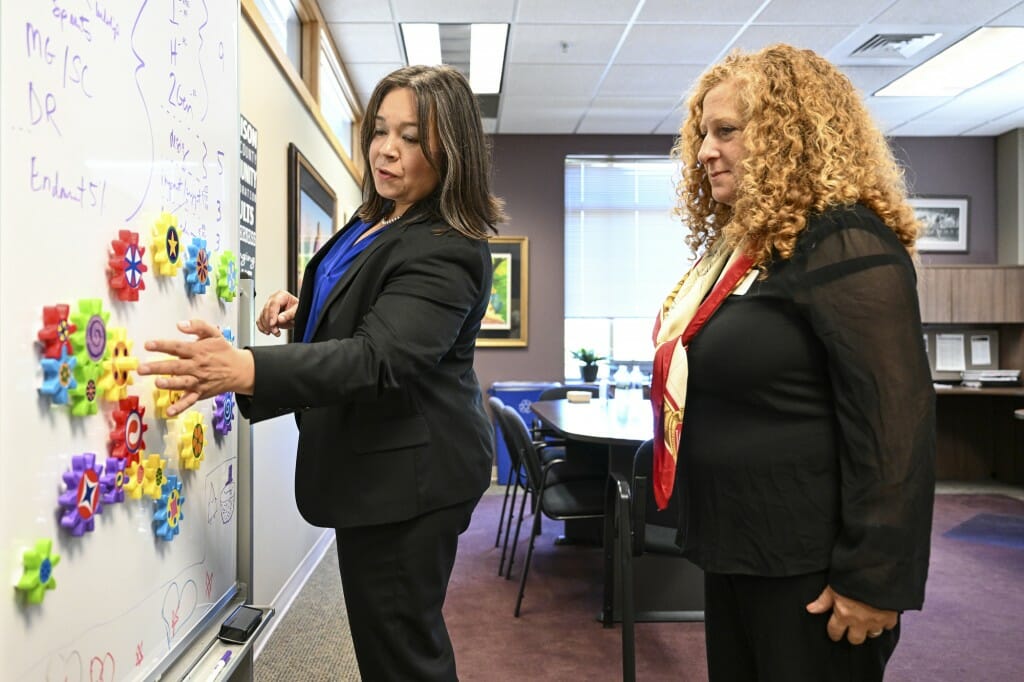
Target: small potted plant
x=589 y=360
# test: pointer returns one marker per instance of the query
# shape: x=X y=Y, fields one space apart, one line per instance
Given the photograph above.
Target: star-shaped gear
x=82 y=500
x=166 y=246
x=227 y=276
x=58 y=377
x=125 y=266
x=127 y=439
x=117 y=371
x=223 y=413
x=91 y=335
x=112 y=482
x=197 y=267
x=145 y=477
x=38 y=575
x=57 y=330
x=192 y=440
x=168 y=516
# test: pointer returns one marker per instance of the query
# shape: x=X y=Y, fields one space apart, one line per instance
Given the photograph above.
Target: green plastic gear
x=85 y=396
x=227 y=276
x=91 y=338
x=38 y=576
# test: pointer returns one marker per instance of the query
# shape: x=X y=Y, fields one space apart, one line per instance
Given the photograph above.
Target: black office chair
x=513 y=483
x=639 y=528
x=556 y=499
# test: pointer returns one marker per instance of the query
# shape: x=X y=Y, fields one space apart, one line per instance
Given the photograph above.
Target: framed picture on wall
x=944 y=221
x=312 y=215
x=504 y=323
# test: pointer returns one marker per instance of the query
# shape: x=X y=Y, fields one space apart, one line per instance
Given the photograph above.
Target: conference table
x=666 y=588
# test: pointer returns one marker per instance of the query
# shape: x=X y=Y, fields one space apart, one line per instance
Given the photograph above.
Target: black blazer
x=391 y=420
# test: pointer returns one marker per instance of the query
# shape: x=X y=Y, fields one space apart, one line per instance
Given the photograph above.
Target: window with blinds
x=624 y=251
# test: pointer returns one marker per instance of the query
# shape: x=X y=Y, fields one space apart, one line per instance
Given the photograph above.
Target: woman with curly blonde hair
x=805 y=461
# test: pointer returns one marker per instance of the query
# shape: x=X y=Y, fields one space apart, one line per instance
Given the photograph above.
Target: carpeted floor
x=969 y=630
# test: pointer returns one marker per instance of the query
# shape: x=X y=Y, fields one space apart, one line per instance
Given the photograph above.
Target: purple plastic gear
x=223 y=413
x=112 y=482
x=82 y=501
x=58 y=376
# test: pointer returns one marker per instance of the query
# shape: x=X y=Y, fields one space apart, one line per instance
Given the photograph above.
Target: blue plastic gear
x=197 y=267
x=168 y=516
x=58 y=377
x=228 y=334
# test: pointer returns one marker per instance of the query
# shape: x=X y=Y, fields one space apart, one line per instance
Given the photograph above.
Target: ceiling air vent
x=889 y=45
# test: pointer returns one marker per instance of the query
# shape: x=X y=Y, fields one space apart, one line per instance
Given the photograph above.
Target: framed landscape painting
x=505 y=322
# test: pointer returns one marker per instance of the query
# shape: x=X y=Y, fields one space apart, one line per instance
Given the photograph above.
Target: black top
x=809 y=432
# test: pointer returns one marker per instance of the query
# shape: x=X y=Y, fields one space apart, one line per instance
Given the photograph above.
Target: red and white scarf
x=684 y=312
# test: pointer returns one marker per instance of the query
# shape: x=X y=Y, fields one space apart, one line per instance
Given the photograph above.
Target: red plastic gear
x=126 y=266
x=126 y=438
x=56 y=331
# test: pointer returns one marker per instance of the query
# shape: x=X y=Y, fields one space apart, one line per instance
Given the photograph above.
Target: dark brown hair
x=448 y=115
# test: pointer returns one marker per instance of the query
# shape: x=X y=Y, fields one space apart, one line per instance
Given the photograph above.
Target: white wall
x=281 y=538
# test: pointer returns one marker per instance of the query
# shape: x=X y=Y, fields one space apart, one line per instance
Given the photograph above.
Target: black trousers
x=395 y=578
x=758 y=630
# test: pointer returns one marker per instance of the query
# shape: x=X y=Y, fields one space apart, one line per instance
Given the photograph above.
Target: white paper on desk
x=949 y=353
x=981 y=350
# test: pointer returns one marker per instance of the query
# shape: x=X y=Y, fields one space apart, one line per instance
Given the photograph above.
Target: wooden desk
x=665 y=588
x=977 y=437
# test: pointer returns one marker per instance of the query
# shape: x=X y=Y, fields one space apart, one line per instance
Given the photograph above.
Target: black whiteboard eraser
x=240 y=625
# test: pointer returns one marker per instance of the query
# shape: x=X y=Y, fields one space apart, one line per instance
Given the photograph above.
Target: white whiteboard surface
x=114 y=112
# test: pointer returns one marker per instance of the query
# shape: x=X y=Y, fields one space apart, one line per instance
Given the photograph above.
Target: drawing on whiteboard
x=102 y=668
x=209 y=584
x=81 y=501
x=61 y=668
x=178 y=606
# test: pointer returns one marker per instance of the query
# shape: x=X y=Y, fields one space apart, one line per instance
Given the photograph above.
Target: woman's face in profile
x=400 y=170
x=723 y=148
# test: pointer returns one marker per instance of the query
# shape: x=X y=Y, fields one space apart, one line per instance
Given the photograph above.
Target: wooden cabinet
x=986 y=294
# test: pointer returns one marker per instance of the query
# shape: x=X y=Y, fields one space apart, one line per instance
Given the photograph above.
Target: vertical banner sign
x=247 y=202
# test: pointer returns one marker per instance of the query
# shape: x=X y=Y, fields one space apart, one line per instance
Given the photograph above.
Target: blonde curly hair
x=810 y=145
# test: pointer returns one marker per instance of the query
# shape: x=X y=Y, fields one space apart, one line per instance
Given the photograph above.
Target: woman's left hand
x=853 y=618
x=203 y=368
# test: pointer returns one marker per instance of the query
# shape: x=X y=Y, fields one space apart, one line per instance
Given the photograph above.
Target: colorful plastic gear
x=192 y=440
x=38 y=575
x=117 y=371
x=127 y=438
x=91 y=336
x=82 y=500
x=168 y=516
x=85 y=395
x=112 y=482
x=228 y=334
x=145 y=477
x=58 y=377
x=57 y=330
x=125 y=266
x=197 y=267
x=166 y=246
x=227 y=276
x=164 y=398
x=223 y=413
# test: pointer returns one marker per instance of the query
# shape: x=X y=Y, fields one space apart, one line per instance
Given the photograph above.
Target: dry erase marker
x=220 y=666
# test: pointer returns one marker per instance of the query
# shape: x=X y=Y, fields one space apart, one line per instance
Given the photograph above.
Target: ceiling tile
x=721 y=11
x=891 y=112
x=345 y=10
x=373 y=43
x=1000 y=125
x=820 y=11
x=870 y=79
x=1012 y=17
x=453 y=11
x=821 y=39
x=642 y=80
x=575 y=11
x=540 y=114
x=667 y=44
x=366 y=76
x=943 y=11
x=551 y=80
x=585 y=44
x=625 y=115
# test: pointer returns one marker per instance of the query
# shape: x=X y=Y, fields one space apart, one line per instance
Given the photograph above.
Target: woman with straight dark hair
x=394 y=446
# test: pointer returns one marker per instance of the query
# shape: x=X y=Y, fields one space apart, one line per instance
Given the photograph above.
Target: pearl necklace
x=388 y=221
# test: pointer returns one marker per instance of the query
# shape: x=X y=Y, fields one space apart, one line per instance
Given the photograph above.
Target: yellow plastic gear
x=117 y=371
x=166 y=246
x=164 y=398
x=145 y=477
x=192 y=440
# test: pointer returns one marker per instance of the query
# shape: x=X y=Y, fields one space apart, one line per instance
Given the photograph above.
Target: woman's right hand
x=278 y=313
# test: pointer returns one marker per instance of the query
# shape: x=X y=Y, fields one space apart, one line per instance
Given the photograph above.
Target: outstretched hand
x=278 y=313
x=853 y=618
x=201 y=369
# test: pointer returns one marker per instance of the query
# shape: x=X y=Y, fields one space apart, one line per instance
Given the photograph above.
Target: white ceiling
x=624 y=66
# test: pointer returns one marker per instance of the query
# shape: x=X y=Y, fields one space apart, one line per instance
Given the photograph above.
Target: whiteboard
x=116 y=114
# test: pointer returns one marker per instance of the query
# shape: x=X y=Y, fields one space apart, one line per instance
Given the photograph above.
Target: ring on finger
x=876 y=633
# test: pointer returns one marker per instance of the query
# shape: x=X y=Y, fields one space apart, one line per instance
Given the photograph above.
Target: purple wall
x=528 y=175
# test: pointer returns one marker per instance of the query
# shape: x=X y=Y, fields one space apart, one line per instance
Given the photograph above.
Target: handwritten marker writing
x=220 y=666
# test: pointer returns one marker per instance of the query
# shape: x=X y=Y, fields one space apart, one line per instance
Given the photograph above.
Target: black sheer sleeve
x=855 y=284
